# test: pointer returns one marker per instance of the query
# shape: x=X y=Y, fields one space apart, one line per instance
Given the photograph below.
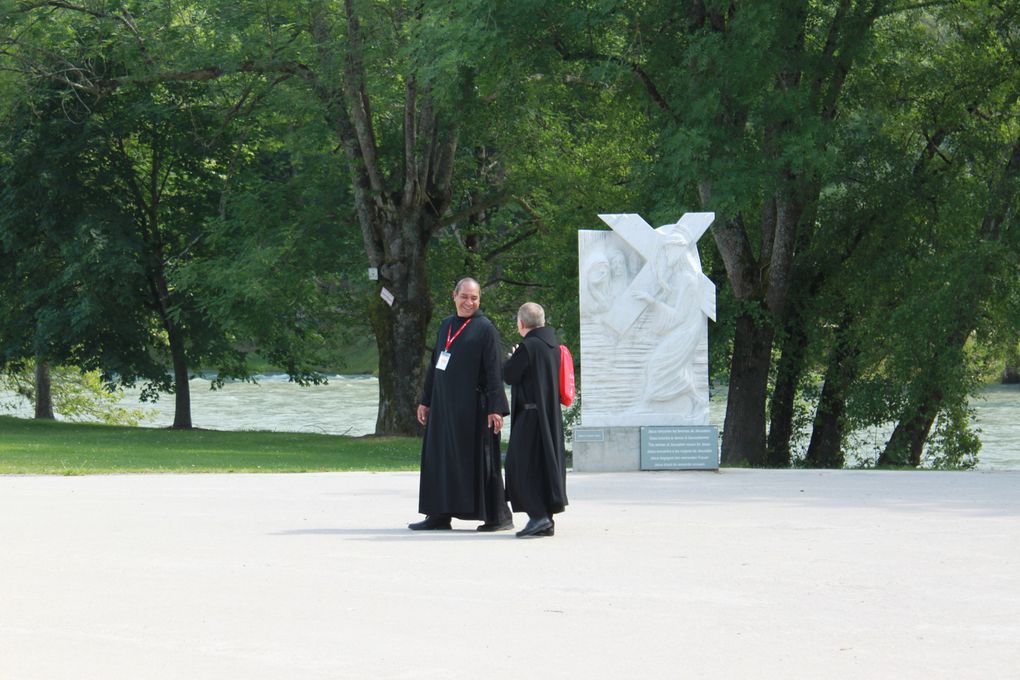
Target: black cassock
x=536 y=465
x=460 y=466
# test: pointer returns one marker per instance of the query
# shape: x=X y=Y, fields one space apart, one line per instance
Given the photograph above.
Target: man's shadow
x=398 y=534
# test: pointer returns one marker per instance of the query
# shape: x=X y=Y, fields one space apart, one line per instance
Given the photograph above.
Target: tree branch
x=525 y=284
x=57 y=4
x=411 y=174
x=520 y=238
x=918 y=5
x=637 y=69
x=357 y=100
x=488 y=202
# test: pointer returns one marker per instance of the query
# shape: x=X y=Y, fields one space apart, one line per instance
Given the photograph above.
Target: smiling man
x=462 y=409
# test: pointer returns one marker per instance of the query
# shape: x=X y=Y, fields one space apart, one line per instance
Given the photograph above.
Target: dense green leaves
x=187 y=184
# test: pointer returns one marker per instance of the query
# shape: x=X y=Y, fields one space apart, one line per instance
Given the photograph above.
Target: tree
x=142 y=168
x=144 y=219
x=745 y=100
x=400 y=92
x=950 y=212
x=762 y=117
x=405 y=86
x=140 y=194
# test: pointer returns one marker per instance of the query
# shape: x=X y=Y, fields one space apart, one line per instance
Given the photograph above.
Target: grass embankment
x=46 y=447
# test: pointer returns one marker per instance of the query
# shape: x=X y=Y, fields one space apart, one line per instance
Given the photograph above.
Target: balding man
x=535 y=459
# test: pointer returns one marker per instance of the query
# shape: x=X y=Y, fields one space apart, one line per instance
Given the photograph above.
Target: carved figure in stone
x=645 y=306
x=674 y=317
x=598 y=282
x=619 y=271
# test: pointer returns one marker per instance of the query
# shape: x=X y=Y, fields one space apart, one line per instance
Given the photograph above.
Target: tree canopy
x=184 y=185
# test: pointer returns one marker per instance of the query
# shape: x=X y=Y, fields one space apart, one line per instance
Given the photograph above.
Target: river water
x=348 y=405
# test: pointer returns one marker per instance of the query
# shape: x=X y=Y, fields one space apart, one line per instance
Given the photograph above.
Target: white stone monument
x=645 y=305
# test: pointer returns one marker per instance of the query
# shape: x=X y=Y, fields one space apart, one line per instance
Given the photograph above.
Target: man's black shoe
x=536 y=527
x=496 y=526
x=431 y=523
x=551 y=531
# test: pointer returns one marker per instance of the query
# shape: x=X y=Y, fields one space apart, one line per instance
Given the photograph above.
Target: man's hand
x=495 y=422
x=423 y=413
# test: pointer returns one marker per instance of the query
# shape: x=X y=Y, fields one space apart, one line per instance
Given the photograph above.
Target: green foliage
x=554 y=140
x=931 y=126
x=283 y=271
x=117 y=225
x=954 y=443
x=197 y=146
x=78 y=396
x=168 y=208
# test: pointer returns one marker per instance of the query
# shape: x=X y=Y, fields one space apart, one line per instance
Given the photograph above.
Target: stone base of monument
x=648 y=447
x=607 y=449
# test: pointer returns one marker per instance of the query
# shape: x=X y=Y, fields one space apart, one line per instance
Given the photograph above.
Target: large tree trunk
x=906 y=444
x=182 y=381
x=788 y=374
x=777 y=449
x=744 y=427
x=829 y=430
x=828 y=435
x=744 y=438
x=401 y=333
x=160 y=292
x=793 y=361
x=43 y=391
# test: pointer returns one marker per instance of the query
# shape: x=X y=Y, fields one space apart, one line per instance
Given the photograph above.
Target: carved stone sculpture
x=645 y=305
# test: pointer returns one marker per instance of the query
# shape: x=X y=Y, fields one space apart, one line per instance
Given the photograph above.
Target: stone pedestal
x=625 y=448
x=607 y=449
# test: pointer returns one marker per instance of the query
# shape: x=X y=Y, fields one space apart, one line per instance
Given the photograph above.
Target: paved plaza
x=738 y=574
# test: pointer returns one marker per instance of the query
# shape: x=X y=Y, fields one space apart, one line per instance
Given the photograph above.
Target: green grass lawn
x=41 y=447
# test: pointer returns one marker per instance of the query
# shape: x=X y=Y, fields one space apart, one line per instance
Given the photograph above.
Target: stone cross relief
x=645 y=305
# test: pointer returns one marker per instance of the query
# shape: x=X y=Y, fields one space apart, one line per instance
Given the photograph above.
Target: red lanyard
x=449 y=340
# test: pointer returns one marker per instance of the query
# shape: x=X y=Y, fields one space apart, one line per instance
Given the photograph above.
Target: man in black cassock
x=462 y=409
x=536 y=465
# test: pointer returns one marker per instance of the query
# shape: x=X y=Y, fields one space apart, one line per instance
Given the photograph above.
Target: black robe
x=460 y=458
x=536 y=465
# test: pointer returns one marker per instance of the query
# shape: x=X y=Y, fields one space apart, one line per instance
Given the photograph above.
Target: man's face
x=467 y=298
x=618 y=265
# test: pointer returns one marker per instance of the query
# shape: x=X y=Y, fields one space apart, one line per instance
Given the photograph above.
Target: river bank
x=348 y=405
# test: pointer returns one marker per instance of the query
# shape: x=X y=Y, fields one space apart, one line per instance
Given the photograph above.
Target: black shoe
x=536 y=527
x=431 y=523
x=496 y=526
x=551 y=531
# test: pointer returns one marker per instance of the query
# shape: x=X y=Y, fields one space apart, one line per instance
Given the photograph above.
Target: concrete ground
x=738 y=574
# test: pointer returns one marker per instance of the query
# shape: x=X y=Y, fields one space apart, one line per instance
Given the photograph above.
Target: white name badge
x=443 y=360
